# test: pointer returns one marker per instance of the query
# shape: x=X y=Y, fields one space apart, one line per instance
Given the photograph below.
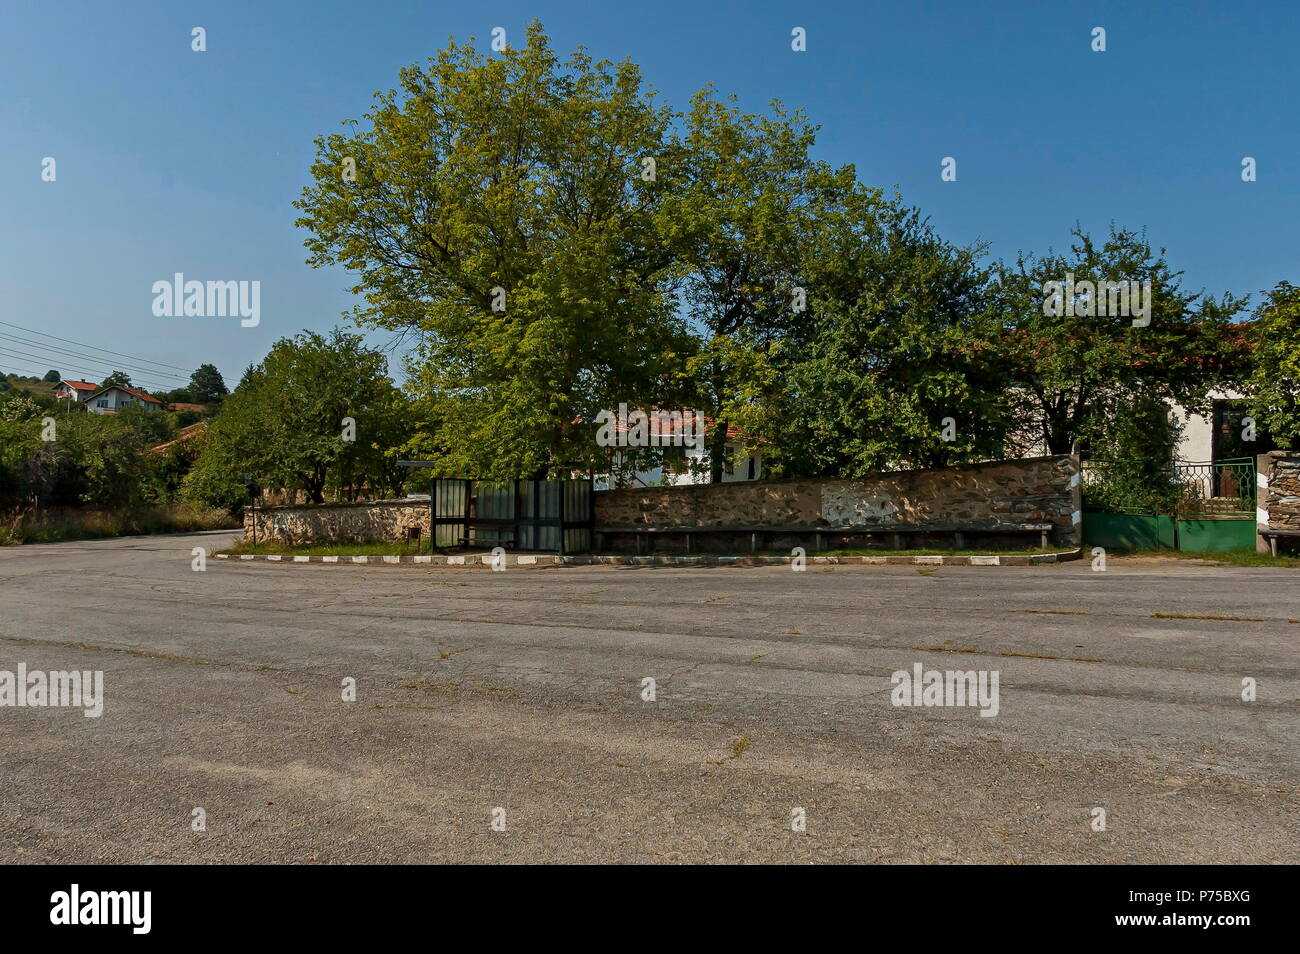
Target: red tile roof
x=142 y=395
x=134 y=392
x=183 y=435
x=79 y=385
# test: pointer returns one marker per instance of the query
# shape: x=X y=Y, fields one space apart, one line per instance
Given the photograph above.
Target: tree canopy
x=206 y=385
x=1274 y=382
x=551 y=240
x=317 y=414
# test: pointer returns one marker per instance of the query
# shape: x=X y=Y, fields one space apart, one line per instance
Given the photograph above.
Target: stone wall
x=988 y=496
x=1278 y=505
x=365 y=521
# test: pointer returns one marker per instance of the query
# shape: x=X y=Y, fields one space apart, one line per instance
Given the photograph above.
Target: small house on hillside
x=112 y=399
x=69 y=390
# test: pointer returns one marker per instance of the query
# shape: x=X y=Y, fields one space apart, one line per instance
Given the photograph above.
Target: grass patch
x=1240 y=558
x=388 y=548
x=54 y=526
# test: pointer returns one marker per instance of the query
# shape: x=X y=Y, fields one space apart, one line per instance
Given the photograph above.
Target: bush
x=66 y=523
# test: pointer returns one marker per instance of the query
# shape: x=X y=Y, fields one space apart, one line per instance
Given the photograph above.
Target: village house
x=78 y=391
x=671 y=463
x=113 y=399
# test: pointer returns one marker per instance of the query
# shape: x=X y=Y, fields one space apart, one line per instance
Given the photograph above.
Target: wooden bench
x=649 y=533
x=1272 y=535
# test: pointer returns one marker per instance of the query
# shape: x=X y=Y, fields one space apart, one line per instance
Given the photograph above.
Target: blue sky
x=174 y=161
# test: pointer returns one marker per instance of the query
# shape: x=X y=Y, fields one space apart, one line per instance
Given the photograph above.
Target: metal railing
x=1221 y=486
x=1210 y=487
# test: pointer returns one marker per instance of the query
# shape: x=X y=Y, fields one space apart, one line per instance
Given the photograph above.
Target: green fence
x=1217 y=536
x=1211 y=507
x=1127 y=531
x=1146 y=531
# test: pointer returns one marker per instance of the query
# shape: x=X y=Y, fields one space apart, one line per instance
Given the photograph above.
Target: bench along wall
x=993 y=496
x=368 y=521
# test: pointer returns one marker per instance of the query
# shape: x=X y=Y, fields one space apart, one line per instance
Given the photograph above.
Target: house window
x=729 y=464
x=752 y=463
x=102 y=402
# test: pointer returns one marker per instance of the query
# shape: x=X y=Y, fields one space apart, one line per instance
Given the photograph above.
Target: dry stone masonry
x=993 y=496
x=368 y=521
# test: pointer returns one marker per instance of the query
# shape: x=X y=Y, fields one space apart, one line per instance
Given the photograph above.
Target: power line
x=152 y=385
x=40 y=355
x=46 y=334
x=88 y=357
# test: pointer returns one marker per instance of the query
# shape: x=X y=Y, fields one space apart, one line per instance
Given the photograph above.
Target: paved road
x=522 y=691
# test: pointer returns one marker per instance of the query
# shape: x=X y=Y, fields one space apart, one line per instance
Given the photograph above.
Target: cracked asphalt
x=522 y=691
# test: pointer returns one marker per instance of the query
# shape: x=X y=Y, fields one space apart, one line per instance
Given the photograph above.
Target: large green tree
x=1070 y=372
x=745 y=205
x=500 y=211
x=318 y=414
x=890 y=365
x=206 y=385
x=1274 y=382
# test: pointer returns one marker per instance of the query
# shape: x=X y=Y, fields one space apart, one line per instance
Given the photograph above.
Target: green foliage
x=286 y=425
x=206 y=386
x=52 y=526
x=497 y=209
x=52 y=377
x=894 y=341
x=1070 y=373
x=742 y=207
x=519 y=173
x=1274 y=383
x=94 y=460
x=1130 y=459
x=119 y=378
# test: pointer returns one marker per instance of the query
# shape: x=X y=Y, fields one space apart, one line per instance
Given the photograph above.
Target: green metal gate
x=1195 y=507
x=545 y=515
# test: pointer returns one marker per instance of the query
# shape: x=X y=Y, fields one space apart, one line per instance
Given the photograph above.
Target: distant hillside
x=18 y=382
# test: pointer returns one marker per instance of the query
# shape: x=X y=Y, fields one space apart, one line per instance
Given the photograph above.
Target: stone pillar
x=1278 y=505
x=1263 y=470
